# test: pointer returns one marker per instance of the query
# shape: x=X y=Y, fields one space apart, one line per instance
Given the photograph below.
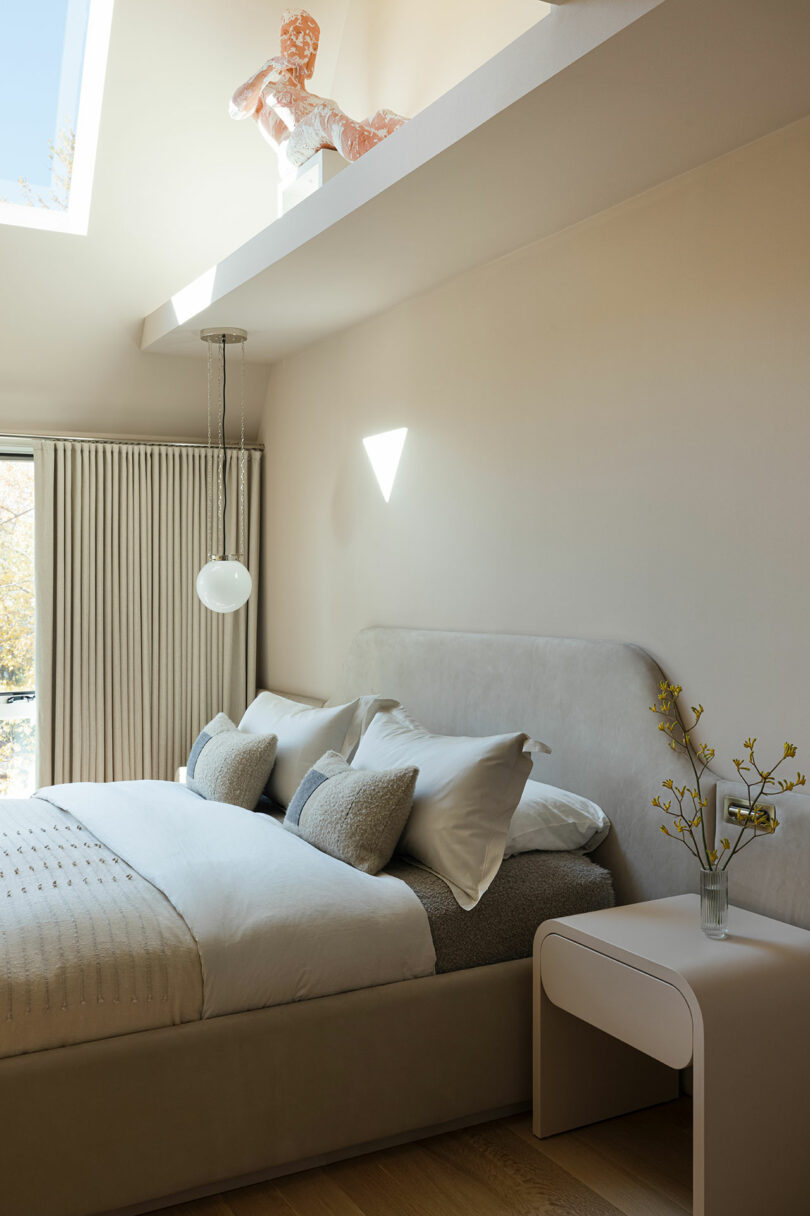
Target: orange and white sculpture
x=295 y=122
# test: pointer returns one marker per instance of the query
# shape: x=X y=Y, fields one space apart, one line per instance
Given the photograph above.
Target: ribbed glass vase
x=714 y=902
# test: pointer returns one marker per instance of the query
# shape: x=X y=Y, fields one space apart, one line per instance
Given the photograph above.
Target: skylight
x=53 y=56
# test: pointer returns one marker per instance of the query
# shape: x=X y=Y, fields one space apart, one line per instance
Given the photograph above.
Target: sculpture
x=295 y=122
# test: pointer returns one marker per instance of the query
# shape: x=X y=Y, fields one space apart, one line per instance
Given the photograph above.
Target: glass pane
x=17 y=726
x=43 y=40
x=52 y=59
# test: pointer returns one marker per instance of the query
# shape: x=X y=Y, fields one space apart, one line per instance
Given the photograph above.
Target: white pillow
x=552 y=819
x=367 y=706
x=466 y=792
x=304 y=734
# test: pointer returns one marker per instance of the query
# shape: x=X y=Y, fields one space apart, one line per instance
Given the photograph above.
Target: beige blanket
x=88 y=948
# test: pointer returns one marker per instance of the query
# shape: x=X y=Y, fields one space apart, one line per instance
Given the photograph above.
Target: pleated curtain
x=130 y=664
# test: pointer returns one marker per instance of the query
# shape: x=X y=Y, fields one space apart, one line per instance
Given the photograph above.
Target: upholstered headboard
x=588 y=700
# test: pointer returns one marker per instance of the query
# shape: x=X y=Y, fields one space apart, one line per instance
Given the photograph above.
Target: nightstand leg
x=751 y=1112
x=582 y=1075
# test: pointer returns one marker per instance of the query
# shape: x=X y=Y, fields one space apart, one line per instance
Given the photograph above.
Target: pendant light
x=224 y=583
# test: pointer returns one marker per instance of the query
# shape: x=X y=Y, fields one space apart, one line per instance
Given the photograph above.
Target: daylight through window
x=17 y=725
x=53 y=56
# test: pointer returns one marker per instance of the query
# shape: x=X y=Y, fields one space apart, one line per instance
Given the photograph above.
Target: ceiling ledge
x=598 y=102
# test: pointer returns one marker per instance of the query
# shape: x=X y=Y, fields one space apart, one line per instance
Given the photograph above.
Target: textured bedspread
x=527 y=890
x=88 y=947
x=274 y=919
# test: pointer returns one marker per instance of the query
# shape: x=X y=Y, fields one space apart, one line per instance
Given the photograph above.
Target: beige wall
x=403 y=54
x=608 y=437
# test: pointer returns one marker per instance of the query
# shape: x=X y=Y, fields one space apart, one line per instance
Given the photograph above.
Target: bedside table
x=625 y=997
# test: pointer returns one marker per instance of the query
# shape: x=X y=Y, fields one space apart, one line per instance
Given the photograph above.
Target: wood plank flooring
x=638 y=1165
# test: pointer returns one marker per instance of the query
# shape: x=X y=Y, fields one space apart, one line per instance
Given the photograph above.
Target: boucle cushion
x=355 y=816
x=466 y=794
x=228 y=765
x=304 y=734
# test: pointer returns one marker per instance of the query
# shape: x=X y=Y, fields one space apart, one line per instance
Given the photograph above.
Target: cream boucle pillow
x=355 y=816
x=228 y=765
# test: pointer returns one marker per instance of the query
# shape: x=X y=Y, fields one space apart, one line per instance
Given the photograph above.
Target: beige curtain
x=130 y=665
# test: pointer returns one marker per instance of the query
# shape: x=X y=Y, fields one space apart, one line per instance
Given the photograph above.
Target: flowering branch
x=686 y=822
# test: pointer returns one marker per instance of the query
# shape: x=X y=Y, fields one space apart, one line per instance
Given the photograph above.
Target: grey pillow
x=355 y=816
x=229 y=765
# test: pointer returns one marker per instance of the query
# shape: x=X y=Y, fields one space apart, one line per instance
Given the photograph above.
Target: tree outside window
x=17 y=728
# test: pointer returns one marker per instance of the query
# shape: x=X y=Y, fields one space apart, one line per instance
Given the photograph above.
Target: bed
x=127 y=1121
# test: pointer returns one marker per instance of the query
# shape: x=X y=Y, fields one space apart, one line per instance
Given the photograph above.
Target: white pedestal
x=319 y=169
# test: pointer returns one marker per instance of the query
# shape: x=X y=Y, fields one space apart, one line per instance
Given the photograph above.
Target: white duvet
x=274 y=919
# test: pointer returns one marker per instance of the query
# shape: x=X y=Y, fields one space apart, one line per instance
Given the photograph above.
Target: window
x=53 y=56
x=17 y=725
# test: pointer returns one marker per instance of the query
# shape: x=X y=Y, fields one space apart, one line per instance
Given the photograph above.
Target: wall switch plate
x=739 y=812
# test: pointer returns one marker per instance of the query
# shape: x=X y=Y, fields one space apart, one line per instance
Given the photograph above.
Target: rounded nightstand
x=626 y=997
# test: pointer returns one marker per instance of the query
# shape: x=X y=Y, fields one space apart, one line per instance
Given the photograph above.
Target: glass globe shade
x=224 y=586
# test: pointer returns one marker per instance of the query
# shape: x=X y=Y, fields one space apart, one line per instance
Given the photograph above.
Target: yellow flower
x=725 y=843
x=664 y=830
x=712 y=855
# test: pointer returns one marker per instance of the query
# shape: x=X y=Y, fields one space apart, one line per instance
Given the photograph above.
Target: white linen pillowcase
x=466 y=793
x=367 y=706
x=304 y=734
x=555 y=820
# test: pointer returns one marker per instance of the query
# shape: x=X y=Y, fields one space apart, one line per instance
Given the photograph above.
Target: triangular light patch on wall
x=384 y=452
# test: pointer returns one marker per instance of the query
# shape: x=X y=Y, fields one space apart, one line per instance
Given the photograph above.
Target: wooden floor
x=639 y=1165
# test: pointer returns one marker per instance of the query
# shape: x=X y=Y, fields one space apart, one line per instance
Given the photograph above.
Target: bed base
x=311 y=1163
x=132 y=1123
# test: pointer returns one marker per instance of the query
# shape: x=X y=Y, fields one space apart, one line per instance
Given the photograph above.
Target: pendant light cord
x=224 y=456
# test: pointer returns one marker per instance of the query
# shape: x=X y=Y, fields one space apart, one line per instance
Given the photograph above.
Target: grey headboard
x=588 y=700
